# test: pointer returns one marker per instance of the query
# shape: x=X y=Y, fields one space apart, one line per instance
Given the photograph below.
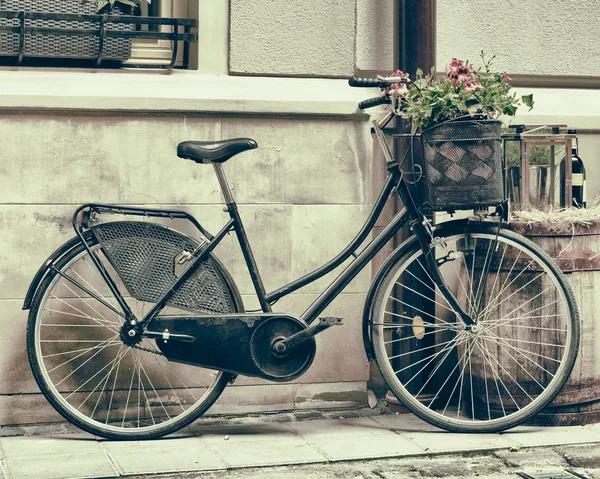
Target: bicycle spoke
x=460 y=281
x=497 y=274
x=501 y=341
x=438 y=366
x=487 y=355
x=421 y=311
x=448 y=347
x=156 y=393
x=513 y=379
x=459 y=379
x=84 y=363
x=515 y=292
x=112 y=394
x=426 y=297
x=78 y=350
x=390 y=325
x=437 y=345
x=410 y=337
x=84 y=315
x=128 y=395
x=82 y=354
x=447 y=379
x=504 y=320
x=499 y=321
x=100 y=394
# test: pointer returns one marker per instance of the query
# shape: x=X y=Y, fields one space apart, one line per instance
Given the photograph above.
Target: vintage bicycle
x=135 y=328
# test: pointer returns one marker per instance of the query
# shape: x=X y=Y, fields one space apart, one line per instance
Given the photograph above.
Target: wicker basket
x=463 y=165
x=62 y=46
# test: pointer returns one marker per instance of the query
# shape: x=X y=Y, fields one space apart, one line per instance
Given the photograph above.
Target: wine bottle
x=578 y=176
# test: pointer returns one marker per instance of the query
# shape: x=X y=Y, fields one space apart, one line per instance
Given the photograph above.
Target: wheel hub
x=131 y=332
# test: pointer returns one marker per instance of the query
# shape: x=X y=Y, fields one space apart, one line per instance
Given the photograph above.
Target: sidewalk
x=283 y=439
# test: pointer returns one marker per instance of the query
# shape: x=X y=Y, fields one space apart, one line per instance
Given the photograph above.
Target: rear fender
x=51 y=261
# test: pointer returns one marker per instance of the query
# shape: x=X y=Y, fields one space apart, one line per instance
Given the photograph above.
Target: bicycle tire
x=111 y=430
x=449 y=408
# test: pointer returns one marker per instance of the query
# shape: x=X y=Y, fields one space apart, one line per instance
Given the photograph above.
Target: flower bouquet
x=457 y=117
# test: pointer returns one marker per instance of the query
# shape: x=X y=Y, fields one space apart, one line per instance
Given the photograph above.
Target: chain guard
x=237 y=343
x=294 y=362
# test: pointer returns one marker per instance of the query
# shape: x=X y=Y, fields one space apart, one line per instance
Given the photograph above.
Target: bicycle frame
x=420 y=226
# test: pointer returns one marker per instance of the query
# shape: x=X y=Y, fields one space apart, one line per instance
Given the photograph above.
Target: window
x=153 y=51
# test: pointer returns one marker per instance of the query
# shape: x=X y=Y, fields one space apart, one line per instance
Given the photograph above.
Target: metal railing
x=103 y=32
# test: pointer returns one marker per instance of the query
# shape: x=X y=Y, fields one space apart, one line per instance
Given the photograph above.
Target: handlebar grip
x=365 y=83
x=371 y=102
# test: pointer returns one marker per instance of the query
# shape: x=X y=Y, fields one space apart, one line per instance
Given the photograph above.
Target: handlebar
x=366 y=83
x=379 y=82
x=371 y=102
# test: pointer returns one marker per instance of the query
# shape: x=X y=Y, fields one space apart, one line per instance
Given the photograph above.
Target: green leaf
x=128 y=2
x=102 y=4
x=132 y=3
x=528 y=100
x=510 y=110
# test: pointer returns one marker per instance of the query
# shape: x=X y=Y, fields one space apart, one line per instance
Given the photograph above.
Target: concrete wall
x=302 y=194
x=535 y=37
x=329 y=38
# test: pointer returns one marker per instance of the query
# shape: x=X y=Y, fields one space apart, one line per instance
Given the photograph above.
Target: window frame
x=153 y=51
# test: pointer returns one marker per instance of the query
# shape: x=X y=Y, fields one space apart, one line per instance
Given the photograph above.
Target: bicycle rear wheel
x=500 y=372
x=95 y=380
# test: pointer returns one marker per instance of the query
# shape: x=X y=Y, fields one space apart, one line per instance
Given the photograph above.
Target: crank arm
x=283 y=346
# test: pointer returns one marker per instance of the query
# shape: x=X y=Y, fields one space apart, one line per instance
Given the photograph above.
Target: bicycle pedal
x=331 y=321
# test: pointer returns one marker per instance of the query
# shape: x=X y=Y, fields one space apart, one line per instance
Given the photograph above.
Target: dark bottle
x=578 y=177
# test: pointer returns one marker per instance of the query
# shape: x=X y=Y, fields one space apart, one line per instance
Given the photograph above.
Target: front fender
x=54 y=257
x=385 y=267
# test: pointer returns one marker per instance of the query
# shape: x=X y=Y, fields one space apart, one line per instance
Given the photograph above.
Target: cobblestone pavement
x=580 y=460
x=352 y=445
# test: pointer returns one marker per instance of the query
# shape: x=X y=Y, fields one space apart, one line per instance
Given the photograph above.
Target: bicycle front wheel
x=91 y=376
x=503 y=370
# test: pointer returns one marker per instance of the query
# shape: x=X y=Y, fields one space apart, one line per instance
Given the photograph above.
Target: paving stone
x=60 y=466
x=548 y=436
x=344 y=439
x=267 y=445
x=163 y=456
x=441 y=441
x=404 y=423
x=593 y=473
x=450 y=467
x=582 y=456
x=531 y=457
x=39 y=446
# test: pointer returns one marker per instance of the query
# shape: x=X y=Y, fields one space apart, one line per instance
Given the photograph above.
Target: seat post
x=223 y=183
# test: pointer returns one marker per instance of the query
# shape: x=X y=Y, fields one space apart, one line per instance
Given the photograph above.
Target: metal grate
x=463 y=165
x=62 y=46
x=144 y=255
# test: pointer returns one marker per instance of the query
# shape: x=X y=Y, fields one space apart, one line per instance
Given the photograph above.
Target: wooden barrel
x=576 y=249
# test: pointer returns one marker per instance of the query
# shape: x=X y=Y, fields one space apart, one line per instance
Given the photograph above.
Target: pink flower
x=462 y=79
x=472 y=86
x=398 y=90
x=400 y=74
x=457 y=68
x=504 y=76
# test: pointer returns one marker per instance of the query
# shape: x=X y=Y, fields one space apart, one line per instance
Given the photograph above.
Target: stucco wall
x=302 y=196
x=535 y=37
x=329 y=38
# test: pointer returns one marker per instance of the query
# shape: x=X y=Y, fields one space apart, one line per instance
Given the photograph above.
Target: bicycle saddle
x=214 y=151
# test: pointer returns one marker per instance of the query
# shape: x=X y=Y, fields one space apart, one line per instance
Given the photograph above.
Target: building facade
x=274 y=71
